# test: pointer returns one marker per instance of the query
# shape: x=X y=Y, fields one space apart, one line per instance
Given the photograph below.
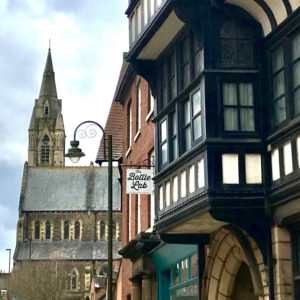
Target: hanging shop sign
x=139 y=181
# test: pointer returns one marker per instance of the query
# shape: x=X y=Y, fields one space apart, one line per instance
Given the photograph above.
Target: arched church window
x=45 y=150
x=37 y=227
x=114 y=235
x=74 y=278
x=48 y=230
x=77 y=230
x=66 y=230
x=46 y=110
x=102 y=230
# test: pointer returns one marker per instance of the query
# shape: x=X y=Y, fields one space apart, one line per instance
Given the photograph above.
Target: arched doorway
x=243 y=287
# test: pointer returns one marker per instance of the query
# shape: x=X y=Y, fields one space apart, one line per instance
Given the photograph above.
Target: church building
x=62 y=228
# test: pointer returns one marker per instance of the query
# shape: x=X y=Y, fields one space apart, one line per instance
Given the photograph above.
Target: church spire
x=48 y=87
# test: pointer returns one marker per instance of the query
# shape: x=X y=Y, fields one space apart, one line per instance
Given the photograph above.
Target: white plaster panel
x=294 y=4
x=162 y=37
x=256 y=11
x=278 y=10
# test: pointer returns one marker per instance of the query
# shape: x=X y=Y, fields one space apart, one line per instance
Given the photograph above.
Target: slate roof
x=114 y=126
x=64 y=250
x=68 y=189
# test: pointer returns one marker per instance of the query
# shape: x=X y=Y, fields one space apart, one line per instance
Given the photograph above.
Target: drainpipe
x=269 y=224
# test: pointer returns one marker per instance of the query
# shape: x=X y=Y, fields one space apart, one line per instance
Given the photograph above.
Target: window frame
x=238 y=106
x=192 y=118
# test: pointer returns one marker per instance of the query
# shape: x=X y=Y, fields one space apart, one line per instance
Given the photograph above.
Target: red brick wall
x=138 y=155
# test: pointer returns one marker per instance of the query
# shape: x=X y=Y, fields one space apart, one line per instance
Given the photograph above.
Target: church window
x=37 y=227
x=48 y=230
x=102 y=230
x=77 y=230
x=66 y=230
x=45 y=150
x=46 y=110
x=114 y=232
x=74 y=280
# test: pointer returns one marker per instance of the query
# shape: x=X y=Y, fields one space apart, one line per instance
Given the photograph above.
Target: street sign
x=139 y=181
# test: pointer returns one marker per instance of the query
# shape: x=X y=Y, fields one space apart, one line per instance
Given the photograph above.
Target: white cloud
x=87 y=45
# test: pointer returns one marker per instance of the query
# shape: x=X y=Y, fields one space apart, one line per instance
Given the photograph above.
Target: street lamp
x=9 y=258
x=75 y=153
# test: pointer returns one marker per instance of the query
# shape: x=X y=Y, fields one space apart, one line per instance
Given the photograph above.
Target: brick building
x=137 y=136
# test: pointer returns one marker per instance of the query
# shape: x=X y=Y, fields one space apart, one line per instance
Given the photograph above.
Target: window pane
x=230 y=119
x=278 y=85
x=139 y=19
x=187 y=112
x=188 y=138
x=247 y=119
x=175 y=189
x=277 y=60
x=246 y=94
x=253 y=169
x=297 y=101
x=275 y=165
x=133 y=28
x=201 y=174
x=280 y=111
x=164 y=153
x=287 y=156
x=296 y=47
x=197 y=127
x=229 y=94
x=161 y=198
x=152 y=7
x=196 y=98
x=163 y=130
x=230 y=168
x=174 y=148
x=168 y=194
x=145 y=12
x=194 y=266
x=298 y=150
x=192 y=179
x=296 y=74
x=183 y=184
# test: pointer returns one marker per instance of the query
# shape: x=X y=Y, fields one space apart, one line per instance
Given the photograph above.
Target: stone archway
x=243 y=287
x=229 y=264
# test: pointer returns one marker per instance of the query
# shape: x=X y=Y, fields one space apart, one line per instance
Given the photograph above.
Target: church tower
x=46 y=145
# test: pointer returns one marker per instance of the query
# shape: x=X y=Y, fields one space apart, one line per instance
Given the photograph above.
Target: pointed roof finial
x=48 y=87
x=49 y=44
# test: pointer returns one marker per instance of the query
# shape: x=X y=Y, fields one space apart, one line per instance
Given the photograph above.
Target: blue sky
x=87 y=42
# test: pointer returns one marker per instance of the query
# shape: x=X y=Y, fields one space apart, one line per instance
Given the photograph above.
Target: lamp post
x=9 y=258
x=75 y=153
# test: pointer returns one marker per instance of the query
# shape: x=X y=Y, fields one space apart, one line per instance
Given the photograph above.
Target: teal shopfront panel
x=177 y=268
